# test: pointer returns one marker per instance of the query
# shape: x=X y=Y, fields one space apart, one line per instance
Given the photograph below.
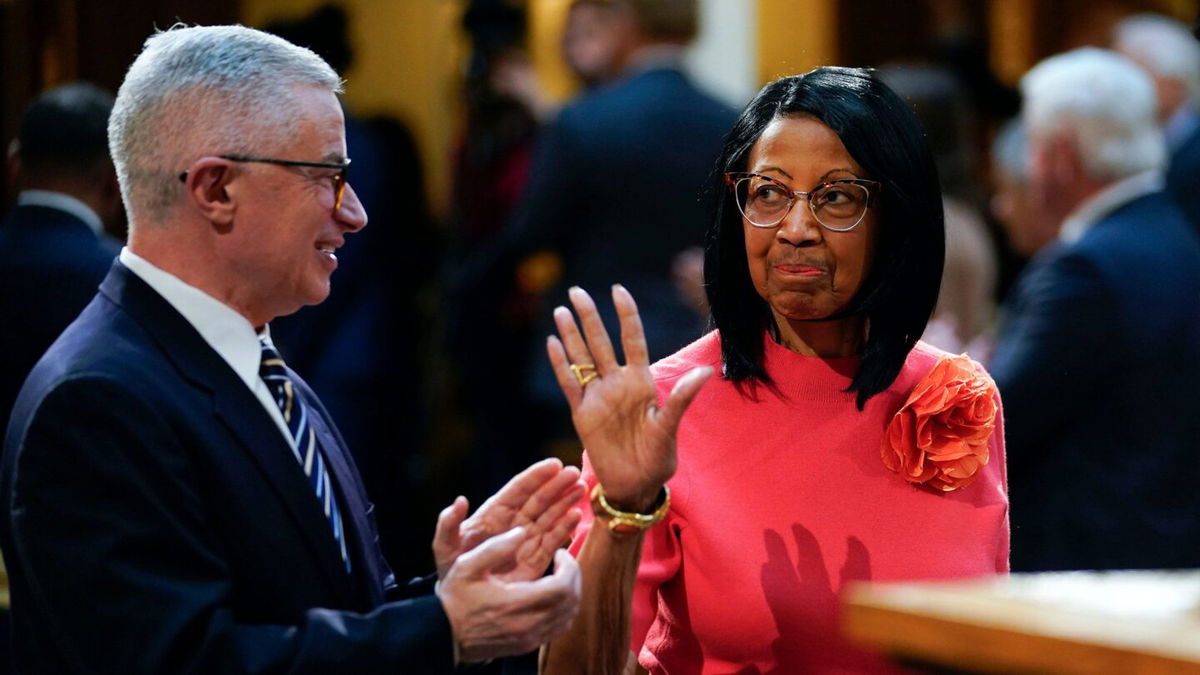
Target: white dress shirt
x=1095 y=208
x=62 y=202
x=223 y=328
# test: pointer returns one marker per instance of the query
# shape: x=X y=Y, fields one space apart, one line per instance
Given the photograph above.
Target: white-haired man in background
x=1099 y=358
x=177 y=499
x=1167 y=50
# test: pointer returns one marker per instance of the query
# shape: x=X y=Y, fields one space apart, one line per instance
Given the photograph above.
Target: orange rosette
x=939 y=437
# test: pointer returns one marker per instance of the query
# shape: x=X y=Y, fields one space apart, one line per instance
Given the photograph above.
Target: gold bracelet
x=625 y=522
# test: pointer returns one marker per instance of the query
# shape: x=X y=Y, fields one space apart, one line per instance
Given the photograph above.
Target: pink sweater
x=778 y=503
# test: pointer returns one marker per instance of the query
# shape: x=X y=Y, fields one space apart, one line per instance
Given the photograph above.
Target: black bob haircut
x=898 y=294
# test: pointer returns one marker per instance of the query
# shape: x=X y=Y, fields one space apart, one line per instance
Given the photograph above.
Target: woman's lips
x=799 y=270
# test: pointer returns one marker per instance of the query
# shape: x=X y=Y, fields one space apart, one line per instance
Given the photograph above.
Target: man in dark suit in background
x=1168 y=51
x=1098 y=359
x=615 y=185
x=53 y=249
x=177 y=499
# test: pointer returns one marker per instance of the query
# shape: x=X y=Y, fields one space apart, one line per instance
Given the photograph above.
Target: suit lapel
x=359 y=534
x=235 y=406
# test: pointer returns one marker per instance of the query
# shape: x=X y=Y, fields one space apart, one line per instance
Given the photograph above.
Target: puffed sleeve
x=997 y=451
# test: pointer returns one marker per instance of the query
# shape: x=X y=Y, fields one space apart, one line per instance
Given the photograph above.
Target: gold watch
x=626 y=522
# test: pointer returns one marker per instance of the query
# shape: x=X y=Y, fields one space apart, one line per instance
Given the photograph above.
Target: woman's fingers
x=633 y=339
x=681 y=397
x=577 y=350
x=562 y=372
x=593 y=327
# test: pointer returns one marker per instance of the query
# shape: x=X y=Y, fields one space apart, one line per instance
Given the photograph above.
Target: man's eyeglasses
x=838 y=205
x=339 y=179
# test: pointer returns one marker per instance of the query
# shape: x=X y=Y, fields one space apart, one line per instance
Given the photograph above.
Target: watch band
x=626 y=522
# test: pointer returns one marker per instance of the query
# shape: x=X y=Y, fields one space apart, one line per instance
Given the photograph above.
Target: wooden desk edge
x=988 y=648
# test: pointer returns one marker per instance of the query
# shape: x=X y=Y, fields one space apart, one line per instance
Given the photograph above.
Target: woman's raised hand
x=629 y=439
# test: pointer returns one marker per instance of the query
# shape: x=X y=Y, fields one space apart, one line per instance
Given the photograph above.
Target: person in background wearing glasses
x=831 y=447
x=176 y=498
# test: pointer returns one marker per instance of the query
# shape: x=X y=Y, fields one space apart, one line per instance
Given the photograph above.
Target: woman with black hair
x=833 y=447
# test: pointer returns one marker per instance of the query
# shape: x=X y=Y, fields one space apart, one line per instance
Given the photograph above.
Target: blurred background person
x=1102 y=333
x=1026 y=227
x=962 y=320
x=364 y=349
x=615 y=189
x=589 y=50
x=53 y=246
x=489 y=320
x=590 y=43
x=1168 y=51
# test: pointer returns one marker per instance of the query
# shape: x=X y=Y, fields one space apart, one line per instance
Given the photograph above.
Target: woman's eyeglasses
x=838 y=205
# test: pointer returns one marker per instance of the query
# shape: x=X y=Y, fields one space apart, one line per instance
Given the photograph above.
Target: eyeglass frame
x=732 y=178
x=340 y=179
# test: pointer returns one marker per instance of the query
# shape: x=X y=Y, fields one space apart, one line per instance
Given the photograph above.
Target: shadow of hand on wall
x=804 y=600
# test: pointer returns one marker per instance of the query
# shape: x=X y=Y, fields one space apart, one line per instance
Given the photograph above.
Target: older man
x=1168 y=51
x=178 y=499
x=1098 y=361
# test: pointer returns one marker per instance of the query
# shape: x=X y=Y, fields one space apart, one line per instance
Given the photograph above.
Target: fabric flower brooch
x=939 y=437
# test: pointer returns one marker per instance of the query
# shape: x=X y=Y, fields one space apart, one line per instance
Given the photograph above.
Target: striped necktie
x=304 y=440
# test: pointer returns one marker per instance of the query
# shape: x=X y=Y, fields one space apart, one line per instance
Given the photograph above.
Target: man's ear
x=206 y=184
x=1066 y=163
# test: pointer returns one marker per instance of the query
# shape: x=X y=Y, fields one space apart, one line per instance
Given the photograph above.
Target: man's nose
x=351 y=214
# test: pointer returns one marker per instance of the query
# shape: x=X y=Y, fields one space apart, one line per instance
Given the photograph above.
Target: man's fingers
x=633 y=338
x=473 y=538
x=560 y=533
x=446 y=533
x=497 y=553
x=564 y=585
x=567 y=568
x=562 y=372
x=593 y=327
x=681 y=397
x=554 y=497
x=568 y=499
x=517 y=491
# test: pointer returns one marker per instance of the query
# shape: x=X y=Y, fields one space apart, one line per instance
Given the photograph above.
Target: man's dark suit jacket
x=1098 y=366
x=1183 y=177
x=616 y=187
x=160 y=523
x=51 y=264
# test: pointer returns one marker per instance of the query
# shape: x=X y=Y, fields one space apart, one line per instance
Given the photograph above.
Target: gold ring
x=584 y=372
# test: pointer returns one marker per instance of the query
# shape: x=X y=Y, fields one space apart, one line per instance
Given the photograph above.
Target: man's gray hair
x=1163 y=45
x=1102 y=100
x=203 y=90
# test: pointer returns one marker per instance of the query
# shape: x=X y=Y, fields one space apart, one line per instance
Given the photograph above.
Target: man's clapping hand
x=492 y=617
x=490 y=566
x=542 y=499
